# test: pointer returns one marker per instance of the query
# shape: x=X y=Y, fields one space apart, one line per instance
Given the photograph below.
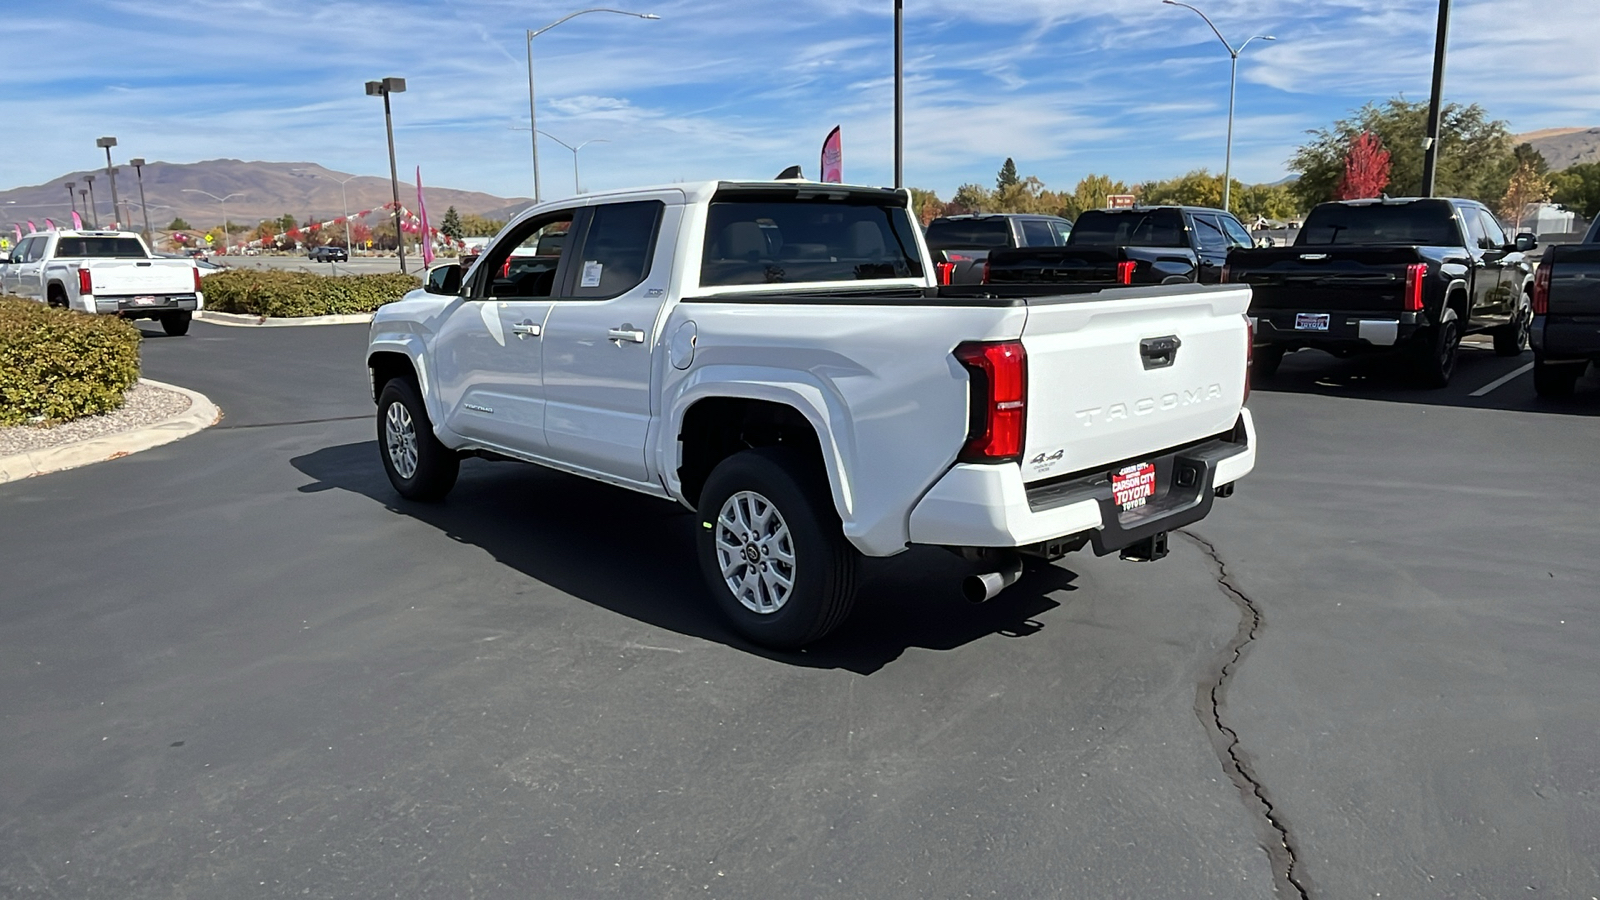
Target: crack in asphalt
x=1209 y=695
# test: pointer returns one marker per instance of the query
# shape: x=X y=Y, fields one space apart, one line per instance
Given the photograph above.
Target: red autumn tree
x=1366 y=168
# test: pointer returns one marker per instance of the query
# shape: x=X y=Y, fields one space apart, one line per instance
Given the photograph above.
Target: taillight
x=85 y=285
x=985 y=270
x=1125 y=271
x=1541 y=290
x=1249 y=354
x=946 y=270
x=1416 y=276
x=197 y=279
x=505 y=270
x=999 y=373
x=1227 y=273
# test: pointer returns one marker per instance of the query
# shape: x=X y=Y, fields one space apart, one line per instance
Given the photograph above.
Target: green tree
x=925 y=205
x=1268 y=201
x=1578 y=189
x=1007 y=176
x=970 y=198
x=179 y=224
x=1090 y=193
x=451 y=226
x=1475 y=158
x=286 y=222
x=1196 y=188
x=476 y=226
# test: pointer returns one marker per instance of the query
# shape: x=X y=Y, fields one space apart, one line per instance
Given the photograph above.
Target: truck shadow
x=1386 y=377
x=635 y=556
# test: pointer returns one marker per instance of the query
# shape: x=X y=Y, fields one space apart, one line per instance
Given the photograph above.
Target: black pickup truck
x=1142 y=245
x=1566 y=314
x=961 y=244
x=1406 y=275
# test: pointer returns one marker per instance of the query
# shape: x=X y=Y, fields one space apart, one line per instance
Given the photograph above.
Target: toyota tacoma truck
x=1141 y=245
x=960 y=244
x=1566 y=314
x=105 y=272
x=778 y=358
x=1406 y=275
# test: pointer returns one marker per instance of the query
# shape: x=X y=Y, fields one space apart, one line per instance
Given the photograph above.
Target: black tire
x=1512 y=340
x=1265 y=360
x=1434 y=357
x=433 y=466
x=57 y=298
x=1555 y=380
x=823 y=565
x=176 y=324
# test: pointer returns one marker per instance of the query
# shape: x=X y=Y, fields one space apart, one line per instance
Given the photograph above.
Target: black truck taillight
x=1125 y=271
x=946 y=271
x=999 y=401
x=1416 y=279
x=1541 y=290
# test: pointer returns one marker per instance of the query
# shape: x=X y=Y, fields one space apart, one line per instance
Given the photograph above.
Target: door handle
x=632 y=335
x=525 y=329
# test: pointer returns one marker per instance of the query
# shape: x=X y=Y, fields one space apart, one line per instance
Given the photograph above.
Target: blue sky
x=743 y=88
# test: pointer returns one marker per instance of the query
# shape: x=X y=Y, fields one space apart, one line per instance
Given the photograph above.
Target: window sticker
x=591 y=274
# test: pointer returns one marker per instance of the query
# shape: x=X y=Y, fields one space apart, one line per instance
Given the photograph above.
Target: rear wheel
x=419 y=467
x=176 y=324
x=1554 y=379
x=1266 y=358
x=1512 y=339
x=1435 y=358
x=772 y=550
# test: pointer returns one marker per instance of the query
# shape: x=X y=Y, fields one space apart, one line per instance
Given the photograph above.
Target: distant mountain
x=266 y=190
x=1563 y=147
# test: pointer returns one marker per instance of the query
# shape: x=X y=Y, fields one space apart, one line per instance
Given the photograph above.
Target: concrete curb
x=222 y=318
x=201 y=414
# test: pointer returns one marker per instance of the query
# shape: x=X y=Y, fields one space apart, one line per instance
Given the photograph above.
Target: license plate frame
x=1133 y=486
x=1312 y=321
x=144 y=300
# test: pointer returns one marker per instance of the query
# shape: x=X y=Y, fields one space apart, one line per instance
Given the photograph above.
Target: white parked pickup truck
x=778 y=357
x=105 y=272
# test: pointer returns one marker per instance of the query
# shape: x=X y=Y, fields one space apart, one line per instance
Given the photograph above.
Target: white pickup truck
x=778 y=357
x=105 y=272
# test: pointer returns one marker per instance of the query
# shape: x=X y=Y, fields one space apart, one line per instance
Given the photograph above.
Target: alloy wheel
x=755 y=552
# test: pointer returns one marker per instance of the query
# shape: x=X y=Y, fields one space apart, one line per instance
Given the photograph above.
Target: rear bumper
x=990 y=506
x=1566 y=337
x=1351 y=330
x=136 y=306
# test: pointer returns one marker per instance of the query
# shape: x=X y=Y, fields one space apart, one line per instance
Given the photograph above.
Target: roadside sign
x=1119 y=201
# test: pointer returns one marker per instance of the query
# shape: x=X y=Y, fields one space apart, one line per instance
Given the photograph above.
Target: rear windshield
x=100 y=247
x=786 y=240
x=1129 y=228
x=968 y=234
x=1421 y=222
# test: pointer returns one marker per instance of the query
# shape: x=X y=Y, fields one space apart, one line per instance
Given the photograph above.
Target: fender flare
x=411 y=347
x=815 y=400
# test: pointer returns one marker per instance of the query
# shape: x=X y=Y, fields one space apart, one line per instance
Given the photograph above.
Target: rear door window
x=618 y=245
x=988 y=233
x=1208 y=234
x=1038 y=233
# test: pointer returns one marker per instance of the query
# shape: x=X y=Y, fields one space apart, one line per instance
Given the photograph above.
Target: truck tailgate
x=1574 y=279
x=126 y=277
x=1332 y=279
x=1142 y=371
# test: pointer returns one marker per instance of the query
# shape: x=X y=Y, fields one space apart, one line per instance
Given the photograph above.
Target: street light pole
x=1233 y=77
x=94 y=211
x=222 y=202
x=899 y=93
x=71 y=197
x=383 y=89
x=106 y=143
x=1430 y=143
x=576 y=187
x=138 y=170
x=533 y=122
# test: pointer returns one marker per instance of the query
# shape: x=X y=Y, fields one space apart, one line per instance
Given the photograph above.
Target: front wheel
x=1435 y=359
x=176 y=324
x=1512 y=339
x=419 y=467
x=772 y=550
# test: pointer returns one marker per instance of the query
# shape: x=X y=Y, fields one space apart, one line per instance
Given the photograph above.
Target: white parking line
x=1499 y=382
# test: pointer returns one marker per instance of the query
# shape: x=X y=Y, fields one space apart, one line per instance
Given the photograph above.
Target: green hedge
x=59 y=365
x=276 y=293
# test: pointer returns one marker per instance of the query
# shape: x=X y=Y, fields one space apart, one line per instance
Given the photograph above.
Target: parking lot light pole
x=1430 y=141
x=138 y=170
x=899 y=93
x=94 y=213
x=222 y=202
x=576 y=188
x=106 y=143
x=1233 y=78
x=71 y=197
x=533 y=122
x=383 y=89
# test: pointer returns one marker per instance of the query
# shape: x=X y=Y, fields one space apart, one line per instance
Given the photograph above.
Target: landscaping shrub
x=276 y=293
x=58 y=365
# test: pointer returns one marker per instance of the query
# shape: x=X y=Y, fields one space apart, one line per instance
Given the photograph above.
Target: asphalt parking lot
x=240 y=666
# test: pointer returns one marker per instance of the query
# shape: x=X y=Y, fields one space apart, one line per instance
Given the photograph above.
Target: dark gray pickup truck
x=1142 y=245
x=1566 y=315
x=961 y=244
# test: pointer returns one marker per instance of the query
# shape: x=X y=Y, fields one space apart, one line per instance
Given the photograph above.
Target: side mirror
x=1525 y=242
x=444 y=279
